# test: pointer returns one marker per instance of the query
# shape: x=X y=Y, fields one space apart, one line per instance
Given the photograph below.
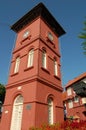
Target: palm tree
x=83 y=36
x=2 y=96
x=2 y=93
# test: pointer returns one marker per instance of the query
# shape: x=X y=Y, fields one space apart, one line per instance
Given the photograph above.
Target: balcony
x=80 y=88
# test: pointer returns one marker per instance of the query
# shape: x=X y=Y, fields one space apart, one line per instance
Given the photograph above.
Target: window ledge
x=28 y=68
x=27 y=38
x=45 y=70
x=14 y=74
x=51 y=41
x=70 y=107
x=76 y=102
x=57 y=77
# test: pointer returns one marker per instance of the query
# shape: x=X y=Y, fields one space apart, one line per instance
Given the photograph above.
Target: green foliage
x=83 y=36
x=66 y=125
x=2 y=93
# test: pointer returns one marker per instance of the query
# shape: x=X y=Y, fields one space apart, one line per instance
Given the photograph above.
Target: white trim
x=55 y=68
x=30 y=58
x=16 y=69
x=70 y=103
x=69 y=91
x=17 y=113
x=50 y=111
x=44 y=65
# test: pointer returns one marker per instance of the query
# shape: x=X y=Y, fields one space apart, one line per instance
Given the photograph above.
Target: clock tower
x=34 y=90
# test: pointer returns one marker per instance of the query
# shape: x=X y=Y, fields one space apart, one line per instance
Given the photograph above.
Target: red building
x=75 y=97
x=34 y=90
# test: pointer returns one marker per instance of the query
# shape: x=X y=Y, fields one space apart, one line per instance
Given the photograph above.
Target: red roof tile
x=76 y=79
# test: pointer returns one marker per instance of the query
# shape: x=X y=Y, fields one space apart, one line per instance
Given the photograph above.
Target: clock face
x=26 y=34
x=50 y=36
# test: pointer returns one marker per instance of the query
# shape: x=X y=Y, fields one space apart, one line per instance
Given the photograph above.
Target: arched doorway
x=17 y=113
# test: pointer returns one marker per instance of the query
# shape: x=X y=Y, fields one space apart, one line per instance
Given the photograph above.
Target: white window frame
x=69 y=91
x=55 y=67
x=83 y=100
x=50 y=111
x=16 y=120
x=17 y=63
x=44 y=59
x=70 y=103
x=30 y=58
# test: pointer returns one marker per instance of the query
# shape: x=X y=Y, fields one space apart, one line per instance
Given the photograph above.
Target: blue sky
x=69 y=13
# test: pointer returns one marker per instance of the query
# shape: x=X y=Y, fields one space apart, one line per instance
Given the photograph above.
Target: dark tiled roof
x=38 y=11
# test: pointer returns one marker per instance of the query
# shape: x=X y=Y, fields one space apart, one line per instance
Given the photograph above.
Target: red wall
x=35 y=83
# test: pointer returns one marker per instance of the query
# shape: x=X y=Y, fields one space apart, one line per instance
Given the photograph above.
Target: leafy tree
x=83 y=36
x=2 y=93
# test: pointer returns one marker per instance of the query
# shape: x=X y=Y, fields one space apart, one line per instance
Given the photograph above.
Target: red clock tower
x=34 y=90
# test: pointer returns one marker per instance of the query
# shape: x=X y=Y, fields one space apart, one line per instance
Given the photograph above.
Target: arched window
x=50 y=110
x=55 y=67
x=30 y=58
x=16 y=69
x=44 y=65
x=17 y=113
